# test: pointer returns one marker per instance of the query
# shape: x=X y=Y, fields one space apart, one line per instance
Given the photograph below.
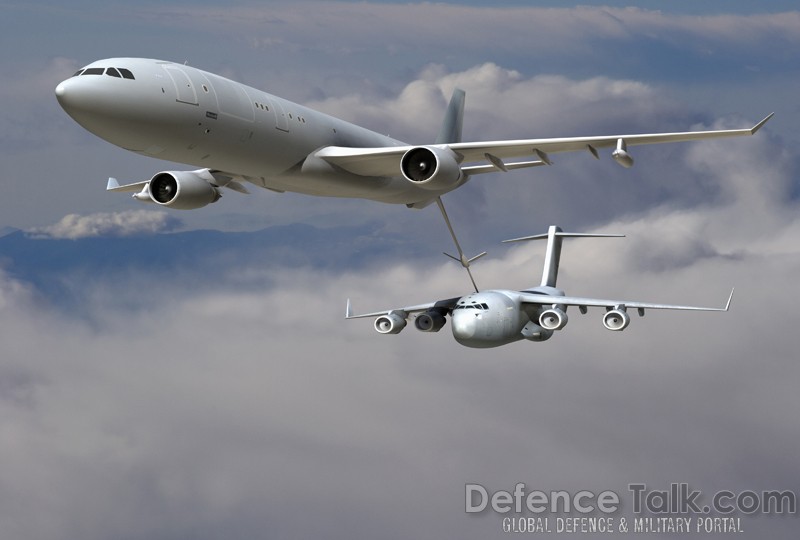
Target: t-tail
x=552 y=256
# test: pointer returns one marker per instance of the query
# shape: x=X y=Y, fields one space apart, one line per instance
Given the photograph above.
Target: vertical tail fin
x=453 y=119
x=552 y=257
x=553 y=251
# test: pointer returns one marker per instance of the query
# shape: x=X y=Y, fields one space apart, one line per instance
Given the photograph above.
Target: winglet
x=758 y=126
x=349 y=310
x=113 y=183
x=728 y=304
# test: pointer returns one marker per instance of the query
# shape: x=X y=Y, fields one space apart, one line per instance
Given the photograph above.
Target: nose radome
x=65 y=94
x=75 y=95
x=61 y=91
x=463 y=324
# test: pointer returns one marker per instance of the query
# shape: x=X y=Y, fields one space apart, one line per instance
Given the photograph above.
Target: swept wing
x=583 y=303
x=443 y=305
x=385 y=161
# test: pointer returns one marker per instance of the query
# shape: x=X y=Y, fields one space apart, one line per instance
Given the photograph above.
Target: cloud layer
x=228 y=396
x=128 y=223
x=261 y=411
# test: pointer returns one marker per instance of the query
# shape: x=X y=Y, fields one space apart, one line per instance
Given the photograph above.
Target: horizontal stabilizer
x=552 y=257
x=564 y=234
x=113 y=185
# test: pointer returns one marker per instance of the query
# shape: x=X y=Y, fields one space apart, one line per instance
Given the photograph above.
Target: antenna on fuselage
x=465 y=262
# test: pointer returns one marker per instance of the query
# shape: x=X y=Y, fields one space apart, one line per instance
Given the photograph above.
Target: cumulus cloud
x=429 y=25
x=128 y=223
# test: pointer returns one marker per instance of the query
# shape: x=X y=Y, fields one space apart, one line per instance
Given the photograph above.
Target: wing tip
x=730 y=297
x=761 y=124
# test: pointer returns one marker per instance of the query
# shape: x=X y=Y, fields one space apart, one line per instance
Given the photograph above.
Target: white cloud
x=128 y=223
x=438 y=25
x=264 y=409
x=247 y=411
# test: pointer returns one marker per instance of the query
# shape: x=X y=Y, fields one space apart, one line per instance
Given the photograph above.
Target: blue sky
x=190 y=374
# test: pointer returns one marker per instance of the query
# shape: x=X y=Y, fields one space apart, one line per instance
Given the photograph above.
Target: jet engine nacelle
x=553 y=319
x=431 y=167
x=182 y=190
x=390 y=324
x=430 y=321
x=616 y=320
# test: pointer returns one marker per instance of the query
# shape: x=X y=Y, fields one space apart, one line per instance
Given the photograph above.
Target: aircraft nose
x=68 y=96
x=463 y=324
x=61 y=89
x=80 y=96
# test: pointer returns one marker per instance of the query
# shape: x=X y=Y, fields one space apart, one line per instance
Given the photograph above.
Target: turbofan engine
x=182 y=190
x=616 y=320
x=431 y=167
x=553 y=319
x=390 y=324
x=430 y=321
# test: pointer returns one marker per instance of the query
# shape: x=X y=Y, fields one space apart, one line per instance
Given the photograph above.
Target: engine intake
x=182 y=190
x=553 y=319
x=430 y=321
x=616 y=320
x=392 y=323
x=431 y=167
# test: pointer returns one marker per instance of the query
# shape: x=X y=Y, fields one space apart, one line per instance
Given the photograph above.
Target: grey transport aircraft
x=497 y=317
x=239 y=135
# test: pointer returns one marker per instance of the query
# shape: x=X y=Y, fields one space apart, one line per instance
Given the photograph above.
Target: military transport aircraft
x=497 y=317
x=237 y=134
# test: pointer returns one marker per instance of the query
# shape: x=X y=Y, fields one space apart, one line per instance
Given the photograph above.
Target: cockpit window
x=120 y=73
x=472 y=306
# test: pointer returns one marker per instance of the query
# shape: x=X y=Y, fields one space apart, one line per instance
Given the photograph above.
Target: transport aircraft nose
x=463 y=324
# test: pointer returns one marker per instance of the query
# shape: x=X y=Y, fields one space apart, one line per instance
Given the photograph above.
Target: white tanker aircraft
x=497 y=317
x=238 y=135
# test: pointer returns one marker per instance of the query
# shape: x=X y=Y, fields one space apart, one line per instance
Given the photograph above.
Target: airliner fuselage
x=237 y=134
x=183 y=114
